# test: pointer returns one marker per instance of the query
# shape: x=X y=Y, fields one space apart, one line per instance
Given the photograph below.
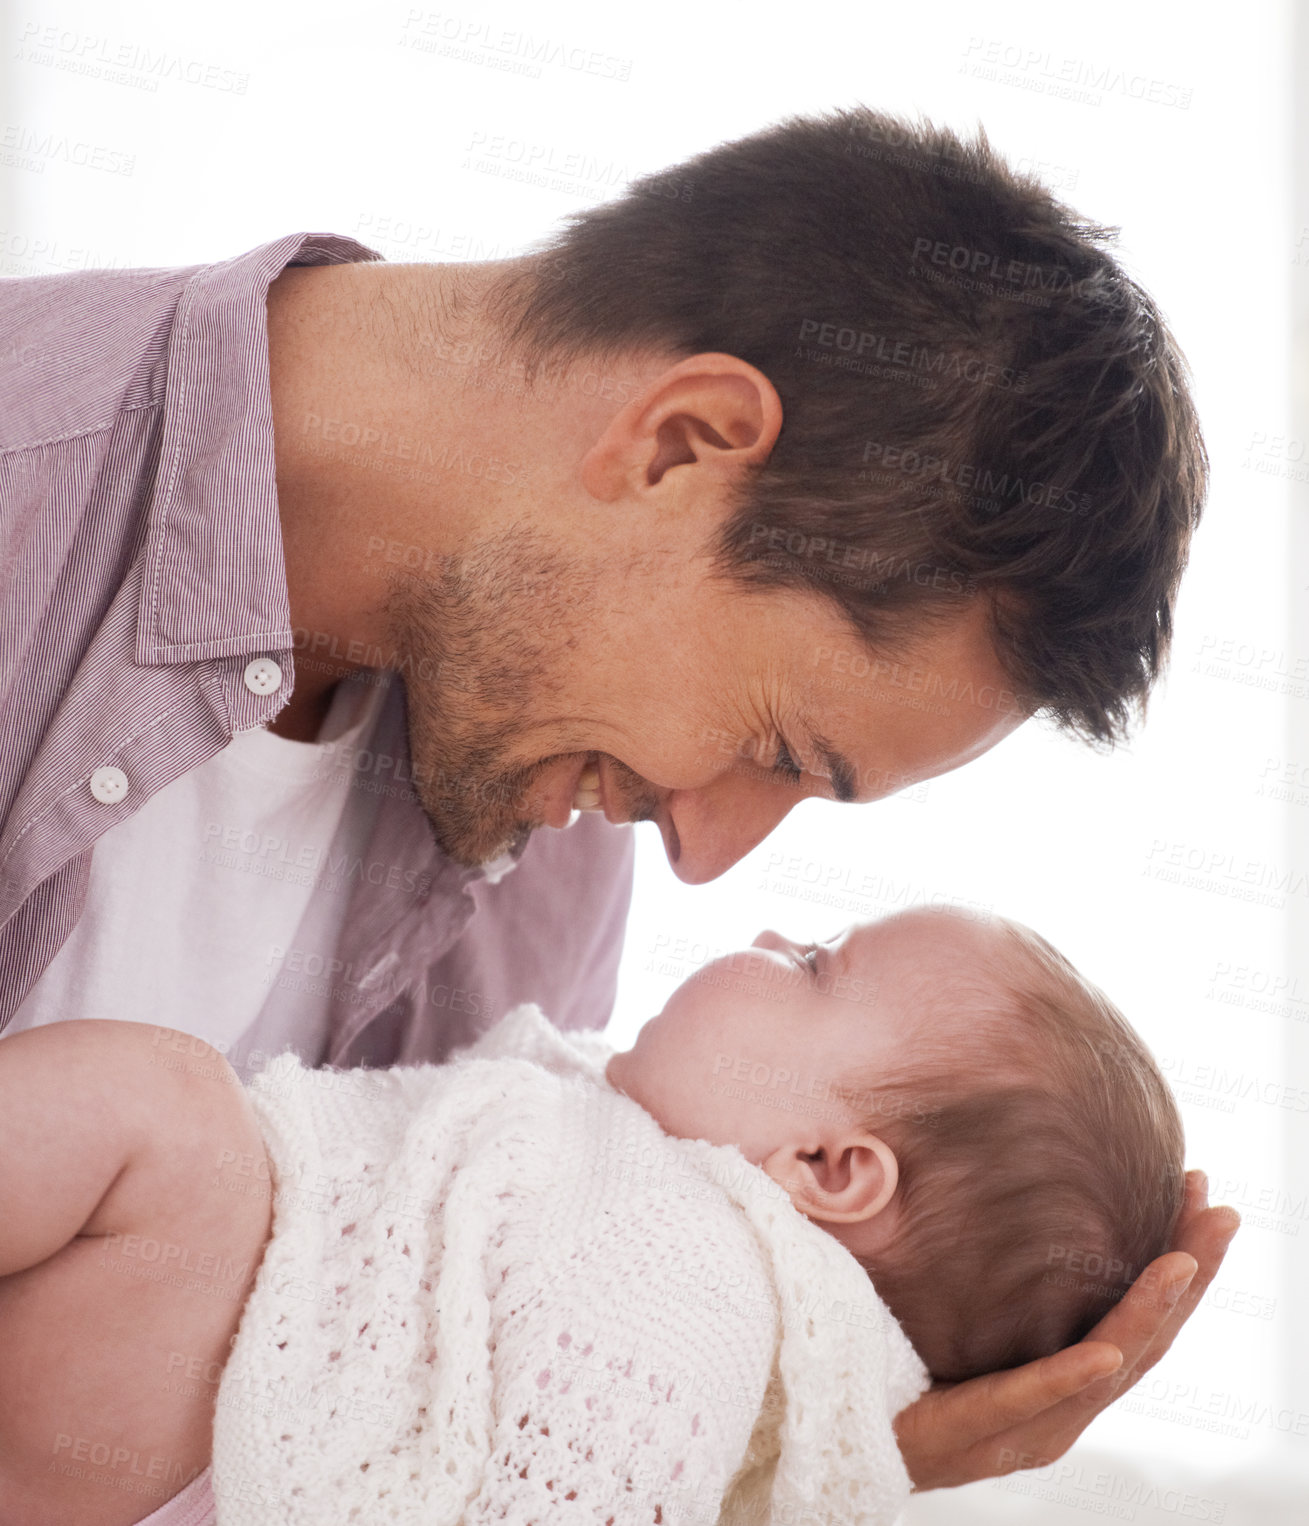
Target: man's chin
x=475 y=847
x=473 y=828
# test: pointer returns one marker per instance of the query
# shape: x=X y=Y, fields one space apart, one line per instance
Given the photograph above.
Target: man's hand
x=1026 y=1417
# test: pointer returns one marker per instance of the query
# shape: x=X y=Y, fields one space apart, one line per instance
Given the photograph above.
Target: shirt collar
x=214 y=582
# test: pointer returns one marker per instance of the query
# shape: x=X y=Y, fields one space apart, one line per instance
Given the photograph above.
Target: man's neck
x=401 y=439
x=302 y=717
x=348 y=411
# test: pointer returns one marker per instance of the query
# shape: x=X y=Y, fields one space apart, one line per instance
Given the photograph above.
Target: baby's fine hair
x=1041 y=1164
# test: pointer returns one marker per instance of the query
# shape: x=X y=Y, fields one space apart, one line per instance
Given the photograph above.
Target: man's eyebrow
x=843 y=773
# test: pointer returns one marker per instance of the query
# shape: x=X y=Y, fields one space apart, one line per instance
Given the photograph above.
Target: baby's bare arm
x=96 y=1127
x=134 y=1209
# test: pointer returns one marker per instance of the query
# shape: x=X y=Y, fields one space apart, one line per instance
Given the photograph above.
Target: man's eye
x=786 y=765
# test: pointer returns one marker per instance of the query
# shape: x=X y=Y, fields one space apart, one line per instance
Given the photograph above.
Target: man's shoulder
x=82 y=347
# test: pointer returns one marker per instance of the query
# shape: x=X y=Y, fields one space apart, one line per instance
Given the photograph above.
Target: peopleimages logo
x=980 y=262
x=863 y=344
x=980 y=481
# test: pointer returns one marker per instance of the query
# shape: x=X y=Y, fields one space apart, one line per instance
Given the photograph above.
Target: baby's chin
x=623 y=1073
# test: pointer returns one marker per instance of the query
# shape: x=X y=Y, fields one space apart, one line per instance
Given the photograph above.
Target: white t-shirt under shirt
x=197 y=900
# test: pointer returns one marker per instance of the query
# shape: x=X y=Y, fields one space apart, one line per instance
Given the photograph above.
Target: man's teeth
x=587 y=795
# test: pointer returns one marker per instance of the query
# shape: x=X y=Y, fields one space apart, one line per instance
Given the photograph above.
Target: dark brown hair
x=1041 y=1166
x=976 y=397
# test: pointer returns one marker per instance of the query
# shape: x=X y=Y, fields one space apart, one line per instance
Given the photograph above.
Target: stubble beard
x=483 y=631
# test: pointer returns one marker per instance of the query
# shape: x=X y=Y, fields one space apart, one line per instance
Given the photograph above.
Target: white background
x=240 y=124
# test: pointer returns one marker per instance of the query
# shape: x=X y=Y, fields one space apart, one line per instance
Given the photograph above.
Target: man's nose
x=709 y=829
x=773 y=942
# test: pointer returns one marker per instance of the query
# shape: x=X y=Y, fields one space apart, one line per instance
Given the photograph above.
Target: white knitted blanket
x=496 y=1290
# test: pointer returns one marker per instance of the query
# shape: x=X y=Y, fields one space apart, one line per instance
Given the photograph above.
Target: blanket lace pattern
x=496 y=1290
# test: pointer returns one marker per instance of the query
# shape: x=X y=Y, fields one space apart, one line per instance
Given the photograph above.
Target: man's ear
x=709 y=410
x=842 y=1182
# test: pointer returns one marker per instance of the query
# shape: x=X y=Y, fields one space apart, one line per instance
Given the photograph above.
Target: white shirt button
x=109 y=784
x=263 y=676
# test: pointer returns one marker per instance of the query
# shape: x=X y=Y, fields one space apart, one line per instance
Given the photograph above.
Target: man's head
x=974 y=1121
x=879 y=435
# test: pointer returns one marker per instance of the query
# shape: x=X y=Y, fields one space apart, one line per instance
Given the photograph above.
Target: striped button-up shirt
x=141 y=571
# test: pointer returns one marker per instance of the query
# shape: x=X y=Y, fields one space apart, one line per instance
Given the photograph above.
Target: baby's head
x=975 y=1122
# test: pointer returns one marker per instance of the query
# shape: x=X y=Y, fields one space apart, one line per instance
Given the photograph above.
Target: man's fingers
x=1206 y=1238
x=1004 y=1421
x=982 y=1407
x=1153 y=1310
x=1134 y=1321
x=965 y=1431
x=1016 y=1396
x=1142 y=1326
x=1163 y=1297
x=1197 y=1195
x=1141 y=1320
x=1132 y=1328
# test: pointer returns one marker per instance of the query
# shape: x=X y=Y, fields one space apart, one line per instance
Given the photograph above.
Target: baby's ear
x=841 y=1181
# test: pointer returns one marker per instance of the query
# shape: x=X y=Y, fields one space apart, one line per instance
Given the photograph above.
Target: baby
x=974 y=1121
x=547 y=1280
